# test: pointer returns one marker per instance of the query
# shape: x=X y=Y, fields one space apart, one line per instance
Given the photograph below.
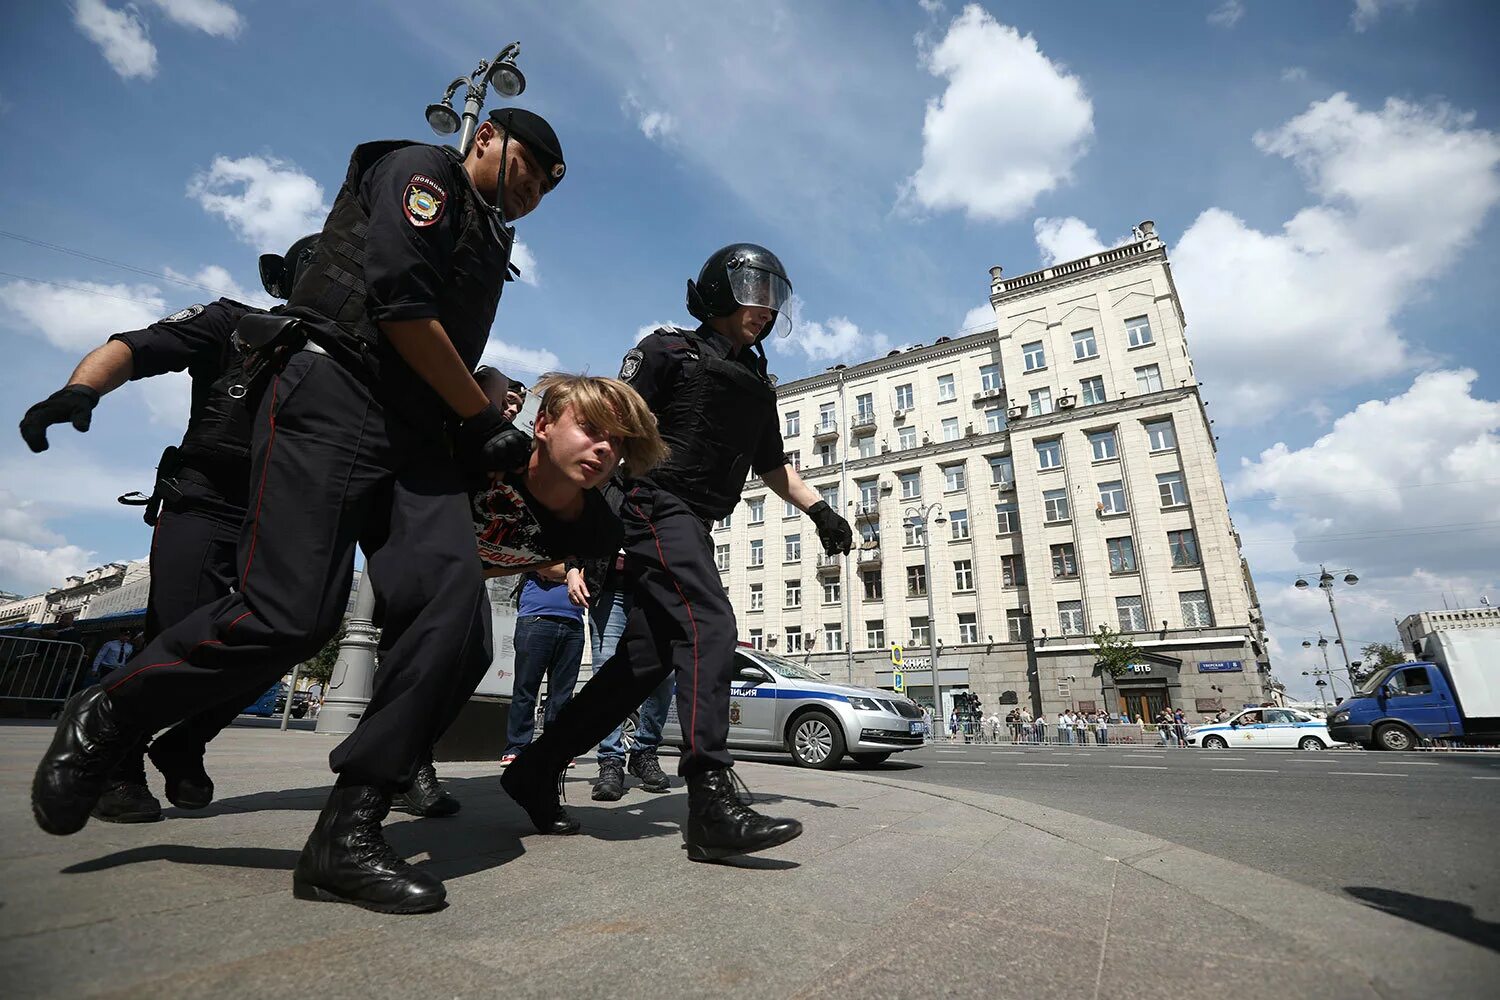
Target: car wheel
x=817 y=740
x=1215 y=743
x=1393 y=736
x=1311 y=743
x=871 y=759
x=627 y=731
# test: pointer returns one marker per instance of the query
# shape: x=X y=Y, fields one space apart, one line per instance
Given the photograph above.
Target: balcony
x=862 y=421
x=825 y=430
x=830 y=565
x=869 y=558
x=867 y=510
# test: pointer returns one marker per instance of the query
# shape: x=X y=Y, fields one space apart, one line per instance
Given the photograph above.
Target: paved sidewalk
x=895 y=890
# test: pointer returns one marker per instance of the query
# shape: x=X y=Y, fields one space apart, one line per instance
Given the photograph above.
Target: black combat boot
x=346 y=859
x=75 y=771
x=426 y=797
x=611 y=783
x=645 y=766
x=188 y=785
x=127 y=799
x=536 y=787
x=721 y=823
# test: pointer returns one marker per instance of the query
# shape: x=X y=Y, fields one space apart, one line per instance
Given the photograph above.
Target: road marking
x=1141 y=767
x=1033 y=764
x=1009 y=753
x=1371 y=774
x=950 y=751
x=1229 y=758
x=1485 y=777
x=1247 y=770
x=979 y=762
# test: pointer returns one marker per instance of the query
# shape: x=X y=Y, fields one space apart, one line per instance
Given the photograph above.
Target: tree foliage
x=1116 y=653
x=320 y=667
x=1381 y=654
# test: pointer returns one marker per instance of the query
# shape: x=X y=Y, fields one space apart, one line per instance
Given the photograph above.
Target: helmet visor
x=754 y=286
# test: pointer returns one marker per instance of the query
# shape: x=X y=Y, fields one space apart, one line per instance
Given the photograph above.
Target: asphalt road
x=1412 y=833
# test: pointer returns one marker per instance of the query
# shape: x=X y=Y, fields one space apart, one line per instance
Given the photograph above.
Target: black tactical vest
x=714 y=421
x=330 y=294
x=217 y=440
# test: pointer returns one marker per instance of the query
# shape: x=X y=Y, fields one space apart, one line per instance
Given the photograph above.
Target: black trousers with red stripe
x=680 y=621
x=332 y=468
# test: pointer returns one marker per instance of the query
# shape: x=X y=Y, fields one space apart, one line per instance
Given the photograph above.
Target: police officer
x=716 y=408
x=196 y=508
x=365 y=437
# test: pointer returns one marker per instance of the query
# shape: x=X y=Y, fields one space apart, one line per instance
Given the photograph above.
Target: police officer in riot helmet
x=196 y=507
x=716 y=409
x=369 y=435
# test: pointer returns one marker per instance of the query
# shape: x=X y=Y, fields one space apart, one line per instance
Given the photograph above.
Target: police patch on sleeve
x=424 y=200
x=183 y=315
x=631 y=365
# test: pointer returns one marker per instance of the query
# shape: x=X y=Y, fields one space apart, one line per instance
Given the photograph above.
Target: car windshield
x=1372 y=683
x=788 y=668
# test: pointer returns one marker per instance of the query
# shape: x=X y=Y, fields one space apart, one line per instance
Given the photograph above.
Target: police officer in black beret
x=716 y=408
x=196 y=508
x=368 y=436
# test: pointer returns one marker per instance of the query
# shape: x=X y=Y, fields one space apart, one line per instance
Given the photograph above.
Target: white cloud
x=1277 y=317
x=524 y=363
x=168 y=397
x=933 y=7
x=1294 y=74
x=1065 y=239
x=267 y=202
x=981 y=316
x=837 y=339
x=120 y=35
x=1009 y=127
x=215 y=280
x=643 y=332
x=654 y=123
x=212 y=17
x=1227 y=14
x=1367 y=12
x=525 y=261
x=79 y=317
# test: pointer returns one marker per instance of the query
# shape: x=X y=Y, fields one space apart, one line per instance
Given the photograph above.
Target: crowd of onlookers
x=1070 y=726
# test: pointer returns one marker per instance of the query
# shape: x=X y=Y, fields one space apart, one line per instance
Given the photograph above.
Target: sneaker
x=507 y=759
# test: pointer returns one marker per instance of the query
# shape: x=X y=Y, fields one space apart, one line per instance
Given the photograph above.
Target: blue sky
x=1325 y=174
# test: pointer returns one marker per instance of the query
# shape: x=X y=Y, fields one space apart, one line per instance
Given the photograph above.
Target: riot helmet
x=279 y=273
x=742 y=274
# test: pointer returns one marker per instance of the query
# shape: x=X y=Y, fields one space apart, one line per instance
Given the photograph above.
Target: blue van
x=1453 y=695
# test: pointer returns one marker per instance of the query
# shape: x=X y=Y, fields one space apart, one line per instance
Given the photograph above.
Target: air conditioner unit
x=887 y=487
x=1066 y=402
x=884 y=447
x=899 y=415
x=968 y=430
x=1016 y=412
x=1006 y=486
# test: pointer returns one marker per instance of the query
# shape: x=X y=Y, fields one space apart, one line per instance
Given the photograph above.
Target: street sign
x=1221 y=667
x=896 y=655
x=898 y=682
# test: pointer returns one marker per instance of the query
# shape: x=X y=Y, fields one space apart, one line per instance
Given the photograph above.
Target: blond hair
x=610 y=406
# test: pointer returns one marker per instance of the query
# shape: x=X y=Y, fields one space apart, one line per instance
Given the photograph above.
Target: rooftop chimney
x=995 y=272
x=1148 y=229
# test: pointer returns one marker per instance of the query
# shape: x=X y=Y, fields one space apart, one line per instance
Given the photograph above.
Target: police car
x=776 y=704
x=1273 y=728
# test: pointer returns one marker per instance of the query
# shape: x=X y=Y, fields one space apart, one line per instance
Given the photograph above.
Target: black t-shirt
x=514 y=531
x=195 y=340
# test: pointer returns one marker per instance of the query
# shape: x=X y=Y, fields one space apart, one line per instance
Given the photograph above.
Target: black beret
x=532 y=129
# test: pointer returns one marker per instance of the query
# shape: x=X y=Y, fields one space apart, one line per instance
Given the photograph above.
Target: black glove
x=487 y=442
x=72 y=403
x=833 y=531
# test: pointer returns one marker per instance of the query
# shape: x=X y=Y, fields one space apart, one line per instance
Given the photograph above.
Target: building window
x=833 y=638
x=869 y=534
x=958 y=522
x=915 y=533
x=1092 y=390
x=1041 y=402
x=904 y=397
x=994 y=420
x=757 y=639
x=869 y=493
x=963 y=575
x=1184 y=548
x=833 y=592
x=1162 y=434
x=950 y=429
x=864 y=406
x=1012 y=571
x=1173 y=490
x=793 y=424
x=1001 y=469
x=757 y=597
x=1009 y=515
x=1104 y=445
x=921 y=632
x=829 y=495
x=947 y=388
x=989 y=378
x=911 y=485
x=1055 y=505
x=1148 y=379
x=1070 y=617
x=1084 y=345
x=1132 y=614
x=827 y=421
x=725 y=523
x=954 y=478
x=916 y=581
x=793 y=548
x=757 y=510
x=906 y=438
x=1013 y=625
x=1121 y=554
x=1195 y=610
x=1064 y=562
x=968 y=626
x=864 y=445
x=721 y=557
x=793 y=594
x=873 y=590
x=757 y=552
x=1035 y=356
x=789 y=510
x=875 y=633
x=794 y=639
x=827 y=455
x=1112 y=497
x=1049 y=454
x=1138 y=331
x=794 y=458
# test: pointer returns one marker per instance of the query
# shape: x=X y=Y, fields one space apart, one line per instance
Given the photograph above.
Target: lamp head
x=443 y=119
x=1350 y=579
x=1301 y=584
x=1326 y=580
x=506 y=78
x=1306 y=644
x=1322 y=641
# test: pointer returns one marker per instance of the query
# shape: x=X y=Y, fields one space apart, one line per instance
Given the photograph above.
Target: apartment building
x=1035 y=480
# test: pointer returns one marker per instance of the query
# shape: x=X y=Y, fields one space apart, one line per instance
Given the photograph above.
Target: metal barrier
x=37 y=672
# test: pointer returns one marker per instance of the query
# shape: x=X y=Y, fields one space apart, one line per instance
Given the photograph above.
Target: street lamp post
x=1327 y=670
x=500 y=72
x=919 y=518
x=1325 y=584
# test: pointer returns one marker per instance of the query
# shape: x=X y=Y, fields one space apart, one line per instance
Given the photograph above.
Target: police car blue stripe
x=779 y=692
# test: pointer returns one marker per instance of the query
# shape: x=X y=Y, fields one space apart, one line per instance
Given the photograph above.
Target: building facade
x=1416 y=628
x=1066 y=470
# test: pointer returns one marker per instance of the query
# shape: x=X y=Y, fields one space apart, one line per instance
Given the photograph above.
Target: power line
x=81 y=288
x=1429 y=529
x=147 y=272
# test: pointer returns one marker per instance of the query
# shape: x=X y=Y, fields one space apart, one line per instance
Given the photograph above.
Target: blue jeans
x=607 y=618
x=545 y=647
